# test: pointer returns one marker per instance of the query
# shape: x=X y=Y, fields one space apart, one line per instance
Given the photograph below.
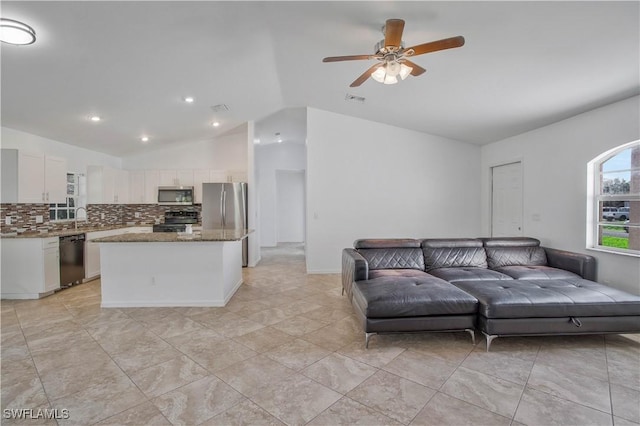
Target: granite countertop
x=172 y=237
x=67 y=232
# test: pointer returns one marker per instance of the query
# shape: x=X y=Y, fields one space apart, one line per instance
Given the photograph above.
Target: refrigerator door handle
x=224 y=209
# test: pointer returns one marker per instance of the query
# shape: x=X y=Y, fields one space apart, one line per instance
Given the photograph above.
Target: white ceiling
x=524 y=65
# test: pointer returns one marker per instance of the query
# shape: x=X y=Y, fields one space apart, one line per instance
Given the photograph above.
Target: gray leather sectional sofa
x=500 y=286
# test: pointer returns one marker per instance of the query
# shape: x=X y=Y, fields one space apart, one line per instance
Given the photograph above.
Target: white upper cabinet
x=106 y=185
x=218 y=176
x=167 y=178
x=151 y=183
x=184 y=177
x=55 y=179
x=121 y=189
x=199 y=177
x=136 y=187
x=175 y=178
x=33 y=177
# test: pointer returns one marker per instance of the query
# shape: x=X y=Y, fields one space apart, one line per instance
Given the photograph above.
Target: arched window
x=614 y=202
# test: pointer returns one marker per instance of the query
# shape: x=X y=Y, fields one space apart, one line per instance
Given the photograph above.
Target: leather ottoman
x=552 y=306
x=412 y=303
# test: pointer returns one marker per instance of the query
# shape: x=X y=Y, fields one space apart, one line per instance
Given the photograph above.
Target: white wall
x=269 y=159
x=555 y=161
x=371 y=180
x=77 y=158
x=227 y=152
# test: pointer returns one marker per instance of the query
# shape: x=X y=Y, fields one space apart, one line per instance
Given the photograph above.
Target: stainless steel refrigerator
x=224 y=206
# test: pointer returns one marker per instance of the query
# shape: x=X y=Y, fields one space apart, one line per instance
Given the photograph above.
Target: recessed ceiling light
x=145 y=139
x=215 y=124
x=188 y=99
x=95 y=118
x=15 y=32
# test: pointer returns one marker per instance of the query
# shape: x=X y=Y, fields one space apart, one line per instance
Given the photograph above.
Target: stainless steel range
x=176 y=221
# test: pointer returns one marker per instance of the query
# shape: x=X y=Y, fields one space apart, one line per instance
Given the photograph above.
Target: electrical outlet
x=7 y=220
x=39 y=219
x=101 y=215
x=137 y=214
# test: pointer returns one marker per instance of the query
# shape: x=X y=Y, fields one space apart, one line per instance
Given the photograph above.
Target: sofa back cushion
x=514 y=251
x=453 y=253
x=396 y=253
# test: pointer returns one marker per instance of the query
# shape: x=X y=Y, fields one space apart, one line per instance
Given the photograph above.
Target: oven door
x=175 y=195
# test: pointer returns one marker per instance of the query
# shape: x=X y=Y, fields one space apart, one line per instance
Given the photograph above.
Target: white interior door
x=290 y=206
x=506 y=203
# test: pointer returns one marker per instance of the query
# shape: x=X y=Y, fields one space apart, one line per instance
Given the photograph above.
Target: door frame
x=499 y=164
x=292 y=172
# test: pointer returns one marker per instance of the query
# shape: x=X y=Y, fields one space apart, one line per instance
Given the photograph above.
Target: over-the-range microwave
x=175 y=195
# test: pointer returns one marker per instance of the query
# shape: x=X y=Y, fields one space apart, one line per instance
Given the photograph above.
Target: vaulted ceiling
x=524 y=65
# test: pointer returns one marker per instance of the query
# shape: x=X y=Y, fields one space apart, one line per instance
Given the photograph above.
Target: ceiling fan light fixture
x=379 y=74
x=390 y=79
x=390 y=71
x=405 y=70
x=15 y=32
x=393 y=68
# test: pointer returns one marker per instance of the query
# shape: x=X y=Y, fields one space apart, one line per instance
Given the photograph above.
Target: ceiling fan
x=392 y=55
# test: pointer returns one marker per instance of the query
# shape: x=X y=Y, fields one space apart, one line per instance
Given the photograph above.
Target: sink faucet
x=76 y=215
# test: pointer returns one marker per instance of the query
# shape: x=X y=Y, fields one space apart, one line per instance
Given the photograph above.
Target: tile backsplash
x=23 y=216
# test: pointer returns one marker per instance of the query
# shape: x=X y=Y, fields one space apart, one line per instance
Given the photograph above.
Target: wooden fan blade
x=393 y=32
x=416 y=69
x=347 y=58
x=434 y=46
x=358 y=81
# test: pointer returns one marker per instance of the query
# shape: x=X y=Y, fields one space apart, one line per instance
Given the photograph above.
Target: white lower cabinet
x=92 y=250
x=30 y=267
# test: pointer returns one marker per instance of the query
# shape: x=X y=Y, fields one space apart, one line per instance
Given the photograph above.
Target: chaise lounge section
x=499 y=286
x=391 y=292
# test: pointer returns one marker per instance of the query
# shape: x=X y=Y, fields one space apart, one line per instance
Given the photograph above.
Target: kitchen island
x=171 y=269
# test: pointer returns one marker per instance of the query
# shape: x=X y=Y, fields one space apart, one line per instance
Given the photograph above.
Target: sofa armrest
x=354 y=268
x=581 y=264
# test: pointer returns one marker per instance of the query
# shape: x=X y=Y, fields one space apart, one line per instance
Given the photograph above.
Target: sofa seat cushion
x=549 y=298
x=392 y=297
x=521 y=272
x=468 y=274
x=377 y=273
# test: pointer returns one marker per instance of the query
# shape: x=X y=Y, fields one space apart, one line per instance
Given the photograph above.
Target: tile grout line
x=524 y=388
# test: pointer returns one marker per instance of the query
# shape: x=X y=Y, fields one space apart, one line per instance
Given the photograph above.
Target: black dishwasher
x=71 y=260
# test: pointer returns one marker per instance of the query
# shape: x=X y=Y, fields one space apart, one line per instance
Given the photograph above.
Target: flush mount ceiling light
x=95 y=118
x=215 y=124
x=188 y=99
x=145 y=139
x=15 y=32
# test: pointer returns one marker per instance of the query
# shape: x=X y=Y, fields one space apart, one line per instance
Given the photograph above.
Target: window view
x=618 y=198
x=67 y=210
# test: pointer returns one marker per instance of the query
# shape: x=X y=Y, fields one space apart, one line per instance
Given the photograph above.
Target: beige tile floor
x=287 y=350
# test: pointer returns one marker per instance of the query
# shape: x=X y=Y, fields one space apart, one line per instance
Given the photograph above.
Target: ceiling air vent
x=354 y=98
x=220 y=108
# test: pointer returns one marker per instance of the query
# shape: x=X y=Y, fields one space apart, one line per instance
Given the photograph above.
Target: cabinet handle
x=47 y=196
x=43 y=199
